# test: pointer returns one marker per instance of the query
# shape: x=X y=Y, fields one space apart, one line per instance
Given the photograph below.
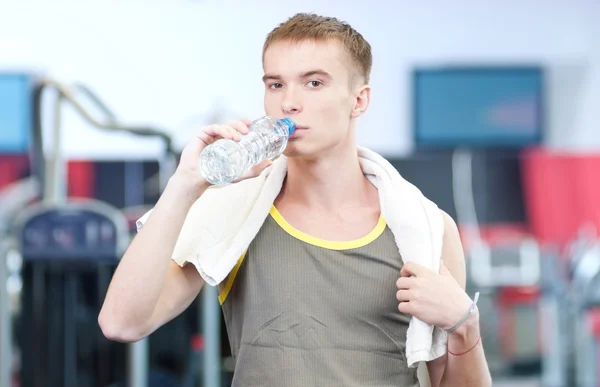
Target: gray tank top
x=301 y=311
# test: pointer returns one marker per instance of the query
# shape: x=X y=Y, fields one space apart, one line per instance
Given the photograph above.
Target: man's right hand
x=188 y=169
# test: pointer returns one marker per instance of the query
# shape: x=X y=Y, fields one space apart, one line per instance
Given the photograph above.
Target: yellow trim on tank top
x=230 y=279
x=331 y=245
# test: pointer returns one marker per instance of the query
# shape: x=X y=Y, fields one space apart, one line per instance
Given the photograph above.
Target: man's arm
x=148 y=289
x=469 y=369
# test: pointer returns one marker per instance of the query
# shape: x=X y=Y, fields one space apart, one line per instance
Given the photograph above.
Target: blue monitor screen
x=479 y=107
x=15 y=112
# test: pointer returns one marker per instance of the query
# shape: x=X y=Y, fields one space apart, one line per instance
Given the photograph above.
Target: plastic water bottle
x=226 y=160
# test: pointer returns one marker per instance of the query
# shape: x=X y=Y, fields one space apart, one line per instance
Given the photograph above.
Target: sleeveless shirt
x=302 y=311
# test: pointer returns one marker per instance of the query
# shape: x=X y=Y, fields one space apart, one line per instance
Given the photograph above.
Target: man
x=321 y=297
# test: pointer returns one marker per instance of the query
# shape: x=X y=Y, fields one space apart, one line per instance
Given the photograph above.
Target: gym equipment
x=12 y=198
x=570 y=300
x=583 y=301
x=52 y=177
x=68 y=246
x=65 y=249
x=507 y=275
x=514 y=263
x=15 y=115
x=73 y=275
x=55 y=165
x=554 y=321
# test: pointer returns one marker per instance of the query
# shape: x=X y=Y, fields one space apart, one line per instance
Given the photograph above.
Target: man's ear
x=361 y=101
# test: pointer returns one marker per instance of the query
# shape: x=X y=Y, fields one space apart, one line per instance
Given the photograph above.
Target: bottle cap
x=290 y=125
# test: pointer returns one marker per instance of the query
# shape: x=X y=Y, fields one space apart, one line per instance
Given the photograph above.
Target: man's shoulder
x=452 y=250
x=450 y=225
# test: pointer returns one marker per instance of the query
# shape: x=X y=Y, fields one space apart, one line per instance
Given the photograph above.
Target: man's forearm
x=466 y=365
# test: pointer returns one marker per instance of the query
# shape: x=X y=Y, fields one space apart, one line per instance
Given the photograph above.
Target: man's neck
x=334 y=182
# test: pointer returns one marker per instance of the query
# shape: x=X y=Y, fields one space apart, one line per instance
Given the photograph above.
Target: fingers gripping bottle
x=226 y=160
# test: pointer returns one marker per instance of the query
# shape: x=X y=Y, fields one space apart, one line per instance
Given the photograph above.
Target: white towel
x=224 y=220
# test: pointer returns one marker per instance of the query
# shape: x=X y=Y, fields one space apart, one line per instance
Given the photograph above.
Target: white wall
x=169 y=62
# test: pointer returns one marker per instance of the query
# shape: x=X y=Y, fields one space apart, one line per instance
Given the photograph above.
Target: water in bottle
x=226 y=160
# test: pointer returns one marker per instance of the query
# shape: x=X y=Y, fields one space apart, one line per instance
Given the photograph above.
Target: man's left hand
x=434 y=298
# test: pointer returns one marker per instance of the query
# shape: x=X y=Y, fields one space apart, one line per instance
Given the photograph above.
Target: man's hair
x=308 y=26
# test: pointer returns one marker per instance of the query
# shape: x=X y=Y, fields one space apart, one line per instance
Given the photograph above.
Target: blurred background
x=490 y=108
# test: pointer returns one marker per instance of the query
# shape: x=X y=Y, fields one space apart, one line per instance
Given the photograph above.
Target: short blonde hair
x=308 y=26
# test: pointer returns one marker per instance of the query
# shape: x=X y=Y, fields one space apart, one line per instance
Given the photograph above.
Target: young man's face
x=311 y=83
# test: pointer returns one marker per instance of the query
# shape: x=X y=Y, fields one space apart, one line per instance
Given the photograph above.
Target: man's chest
x=293 y=293
x=355 y=277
